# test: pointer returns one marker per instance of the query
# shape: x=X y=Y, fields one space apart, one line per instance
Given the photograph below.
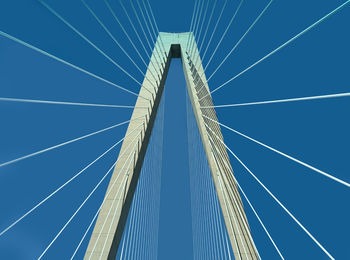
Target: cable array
x=140 y=236
x=216 y=141
x=209 y=233
x=219 y=224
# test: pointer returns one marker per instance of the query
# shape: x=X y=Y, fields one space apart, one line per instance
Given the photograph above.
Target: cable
x=281 y=46
x=7 y=99
x=65 y=143
x=278 y=202
x=119 y=45
x=61 y=187
x=347 y=94
x=76 y=212
x=285 y=155
x=88 y=41
x=240 y=40
x=67 y=63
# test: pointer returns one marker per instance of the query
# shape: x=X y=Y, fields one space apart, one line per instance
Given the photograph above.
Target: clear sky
x=315 y=132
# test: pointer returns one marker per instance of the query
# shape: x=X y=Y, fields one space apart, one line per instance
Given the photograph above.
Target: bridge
x=125 y=222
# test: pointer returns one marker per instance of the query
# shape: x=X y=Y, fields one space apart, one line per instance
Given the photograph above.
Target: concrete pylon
x=107 y=233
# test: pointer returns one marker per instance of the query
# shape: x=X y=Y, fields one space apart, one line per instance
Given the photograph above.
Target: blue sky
x=315 y=132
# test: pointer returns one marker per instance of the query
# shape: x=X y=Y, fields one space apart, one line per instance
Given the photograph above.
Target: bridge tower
x=135 y=146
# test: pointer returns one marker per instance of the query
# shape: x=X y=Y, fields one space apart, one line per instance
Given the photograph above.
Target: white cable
x=116 y=208
x=200 y=30
x=219 y=43
x=227 y=209
x=194 y=8
x=144 y=33
x=155 y=49
x=64 y=143
x=126 y=232
x=87 y=230
x=214 y=30
x=281 y=46
x=128 y=36
x=206 y=31
x=76 y=212
x=224 y=34
x=196 y=31
x=154 y=41
x=279 y=203
x=232 y=207
x=138 y=37
x=109 y=211
x=7 y=99
x=283 y=154
x=211 y=219
x=240 y=40
x=62 y=186
x=132 y=224
x=347 y=94
x=119 y=45
x=196 y=22
x=67 y=63
x=155 y=22
x=257 y=216
x=232 y=229
x=220 y=231
x=239 y=208
x=88 y=41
